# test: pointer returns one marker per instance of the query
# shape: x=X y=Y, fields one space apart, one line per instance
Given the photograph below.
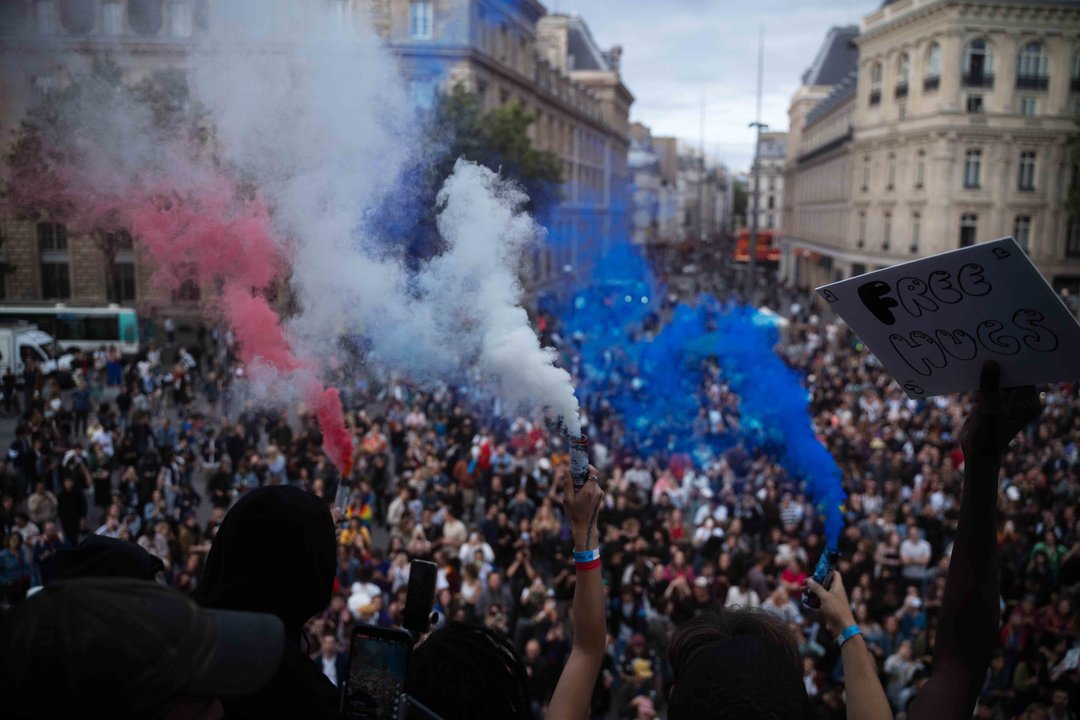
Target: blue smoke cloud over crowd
x=650 y=366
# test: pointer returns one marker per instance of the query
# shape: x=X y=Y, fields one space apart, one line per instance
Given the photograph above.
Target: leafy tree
x=740 y=200
x=458 y=128
x=47 y=144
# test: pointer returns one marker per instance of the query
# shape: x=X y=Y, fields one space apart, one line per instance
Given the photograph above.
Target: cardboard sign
x=933 y=321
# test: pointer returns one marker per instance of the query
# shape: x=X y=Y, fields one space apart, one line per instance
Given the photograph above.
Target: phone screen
x=377 y=665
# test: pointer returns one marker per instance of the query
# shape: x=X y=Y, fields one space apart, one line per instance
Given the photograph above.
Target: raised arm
x=865 y=697
x=573 y=694
x=969 y=618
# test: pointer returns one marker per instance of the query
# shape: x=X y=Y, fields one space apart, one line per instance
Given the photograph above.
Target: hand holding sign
x=999 y=414
x=932 y=322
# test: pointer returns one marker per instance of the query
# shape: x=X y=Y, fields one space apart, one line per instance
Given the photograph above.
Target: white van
x=19 y=342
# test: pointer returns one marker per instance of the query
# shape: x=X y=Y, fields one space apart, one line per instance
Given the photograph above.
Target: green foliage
x=500 y=141
x=740 y=200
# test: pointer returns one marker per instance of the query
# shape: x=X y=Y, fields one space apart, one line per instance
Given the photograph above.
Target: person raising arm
x=573 y=693
x=865 y=697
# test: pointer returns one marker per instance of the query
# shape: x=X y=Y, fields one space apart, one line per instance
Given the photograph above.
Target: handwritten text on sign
x=933 y=321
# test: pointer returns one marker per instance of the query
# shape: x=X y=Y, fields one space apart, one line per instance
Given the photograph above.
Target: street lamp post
x=752 y=269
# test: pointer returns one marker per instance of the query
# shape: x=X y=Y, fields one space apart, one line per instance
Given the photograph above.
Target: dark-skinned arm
x=970 y=615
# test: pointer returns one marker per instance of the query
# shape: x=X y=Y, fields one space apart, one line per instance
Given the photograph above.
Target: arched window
x=77 y=16
x=916 y=231
x=932 y=67
x=903 y=74
x=145 y=16
x=978 y=64
x=1032 y=67
x=876 y=73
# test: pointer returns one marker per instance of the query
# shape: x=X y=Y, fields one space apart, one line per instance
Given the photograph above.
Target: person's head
x=467 y=671
x=735 y=665
x=912 y=531
x=124 y=648
x=328 y=645
x=14 y=542
x=274 y=552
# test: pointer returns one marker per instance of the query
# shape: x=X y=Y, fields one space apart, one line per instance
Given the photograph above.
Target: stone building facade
x=42 y=44
x=957 y=132
x=504 y=50
x=514 y=51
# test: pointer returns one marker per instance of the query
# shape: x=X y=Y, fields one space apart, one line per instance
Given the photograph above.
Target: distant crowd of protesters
x=156 y=452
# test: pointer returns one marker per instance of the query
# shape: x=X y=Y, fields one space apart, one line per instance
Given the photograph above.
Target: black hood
x=275 y=553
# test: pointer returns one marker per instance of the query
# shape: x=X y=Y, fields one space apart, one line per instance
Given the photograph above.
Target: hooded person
x=275 y=553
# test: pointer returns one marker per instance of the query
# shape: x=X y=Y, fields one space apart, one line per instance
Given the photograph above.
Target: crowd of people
x=157 y=453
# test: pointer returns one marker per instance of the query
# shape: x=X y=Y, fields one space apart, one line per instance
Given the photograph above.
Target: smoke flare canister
x=823 y=576
x=579 y=461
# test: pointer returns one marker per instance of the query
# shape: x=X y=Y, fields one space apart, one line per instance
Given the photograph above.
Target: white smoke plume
x=309 y=103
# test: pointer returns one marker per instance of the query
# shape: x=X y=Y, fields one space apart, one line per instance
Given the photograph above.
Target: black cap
x=125 y=647
x=100 y=556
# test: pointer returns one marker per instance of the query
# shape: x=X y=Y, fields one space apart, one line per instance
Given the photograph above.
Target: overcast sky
x=677 y=52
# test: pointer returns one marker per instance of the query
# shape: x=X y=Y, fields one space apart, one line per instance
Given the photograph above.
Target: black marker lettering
x=1038 y=338
x=942 y=287
x=1001 y=253
x=922 y=354
x=874 y=296
x=991 y=337
x=972 y=281
x=958 y=344
x=912 y=294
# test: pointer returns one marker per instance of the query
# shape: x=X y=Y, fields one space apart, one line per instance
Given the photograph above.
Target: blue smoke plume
x=649 y=364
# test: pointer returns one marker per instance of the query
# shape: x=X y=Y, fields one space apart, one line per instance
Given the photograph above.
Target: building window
x=112 y=18
x=892 y=172
x=932 y=74
x=54 y=261
x=43 y=18
x=421 y=19
x=978 y=65
x=886 y=241
x=875 y=83
x=1032 y=67
x=903 y=75
x=866 y=174
x=916 y=231
x=772 y=202
x=77 y=16
x=862 y=229
x=145 y=16
x=772 y=183
x=1029 y=106
x=1075 y=85
x=770 y=221
x=180 y=18
x=1022 y=232
x=1072 y=239
x=1026 y=178
x=972 y=168
x=920 y=169
x=974 y=104
x=969 y=224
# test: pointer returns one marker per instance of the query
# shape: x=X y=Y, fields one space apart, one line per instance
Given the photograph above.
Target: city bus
x=85 y=328
x=768 y=247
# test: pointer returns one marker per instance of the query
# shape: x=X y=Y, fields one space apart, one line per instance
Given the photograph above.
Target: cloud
x=678 y=52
